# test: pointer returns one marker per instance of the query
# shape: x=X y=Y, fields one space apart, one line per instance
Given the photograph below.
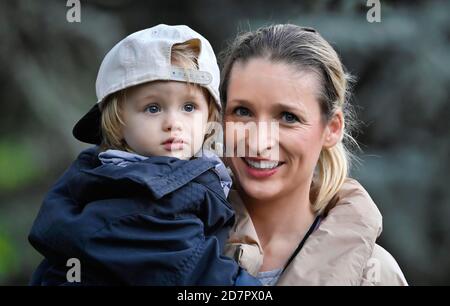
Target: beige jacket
x=341 y=251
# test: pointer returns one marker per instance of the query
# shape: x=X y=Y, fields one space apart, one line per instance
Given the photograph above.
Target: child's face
x=165 y=118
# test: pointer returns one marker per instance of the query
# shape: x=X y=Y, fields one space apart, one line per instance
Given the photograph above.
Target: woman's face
x=261 y=91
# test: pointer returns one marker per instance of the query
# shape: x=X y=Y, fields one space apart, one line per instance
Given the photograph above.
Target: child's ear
x=334 y=130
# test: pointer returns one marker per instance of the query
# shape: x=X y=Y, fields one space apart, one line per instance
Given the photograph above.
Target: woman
x=291 y=76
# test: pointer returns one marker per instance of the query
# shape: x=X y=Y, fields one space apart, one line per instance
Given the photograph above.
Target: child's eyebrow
x=154 y=96
x=147 y=97
x=194 y=92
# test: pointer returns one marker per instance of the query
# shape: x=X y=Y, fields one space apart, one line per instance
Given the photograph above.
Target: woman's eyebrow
x=290 y=107
x=240 y=102
x=296 y=107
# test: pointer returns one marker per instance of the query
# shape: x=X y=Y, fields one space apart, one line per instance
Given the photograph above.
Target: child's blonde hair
x=183 y=55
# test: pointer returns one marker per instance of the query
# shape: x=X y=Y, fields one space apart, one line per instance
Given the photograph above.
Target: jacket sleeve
x=148 y=250
x=212 y=267
x=142 y=248
x=124 y=234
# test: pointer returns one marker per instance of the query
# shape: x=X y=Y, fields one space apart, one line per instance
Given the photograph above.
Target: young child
x=143 y=207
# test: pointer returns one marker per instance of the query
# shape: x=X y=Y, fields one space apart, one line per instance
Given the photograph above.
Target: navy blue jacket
x=161 y=221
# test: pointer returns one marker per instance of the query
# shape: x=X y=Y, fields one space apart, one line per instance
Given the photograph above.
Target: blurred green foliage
x=18 y=166
x=402 y=93
x=8 y=259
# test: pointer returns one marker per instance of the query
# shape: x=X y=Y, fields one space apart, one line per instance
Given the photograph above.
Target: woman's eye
x=189 y=107
x=153 y=109
x=241 y=111
x=289 y=117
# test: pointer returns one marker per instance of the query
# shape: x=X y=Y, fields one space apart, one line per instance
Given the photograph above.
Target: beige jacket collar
x=335 y=254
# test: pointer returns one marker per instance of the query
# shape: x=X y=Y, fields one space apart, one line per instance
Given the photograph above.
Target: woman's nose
x=263 y=141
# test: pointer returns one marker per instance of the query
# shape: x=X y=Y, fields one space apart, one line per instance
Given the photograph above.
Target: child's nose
x=172 y=122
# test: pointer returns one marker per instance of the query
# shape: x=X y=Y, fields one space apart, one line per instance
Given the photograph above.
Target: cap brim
x=88 y=128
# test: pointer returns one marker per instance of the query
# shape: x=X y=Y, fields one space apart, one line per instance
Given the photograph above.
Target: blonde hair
x=183 y=55
x=306 y=50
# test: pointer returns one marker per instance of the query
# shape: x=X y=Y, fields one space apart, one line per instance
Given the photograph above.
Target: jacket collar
x=161 y=175
x=335 y=254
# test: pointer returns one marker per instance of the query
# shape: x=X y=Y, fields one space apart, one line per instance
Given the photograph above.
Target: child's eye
x=289 y=117
x=153 y=109
x=189 y=107
x=241 y=111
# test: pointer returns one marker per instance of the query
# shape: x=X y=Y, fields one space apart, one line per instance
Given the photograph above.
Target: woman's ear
x=334 y=130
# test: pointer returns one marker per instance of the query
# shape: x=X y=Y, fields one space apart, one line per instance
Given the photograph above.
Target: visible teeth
x=262 y=164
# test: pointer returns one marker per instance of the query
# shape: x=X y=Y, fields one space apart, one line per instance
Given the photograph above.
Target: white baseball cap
x=145 y=56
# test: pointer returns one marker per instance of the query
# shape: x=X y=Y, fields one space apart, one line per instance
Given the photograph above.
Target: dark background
x=47 y=76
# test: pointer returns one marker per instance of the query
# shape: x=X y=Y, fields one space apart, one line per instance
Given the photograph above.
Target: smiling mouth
x=262 y=164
